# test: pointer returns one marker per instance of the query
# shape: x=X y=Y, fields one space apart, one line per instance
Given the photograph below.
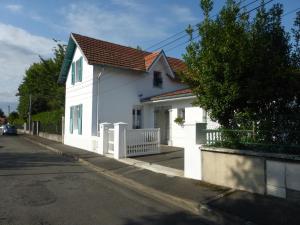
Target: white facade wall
x=80 y=93
x=120 y=90
x=109 y=94
x=177 y=132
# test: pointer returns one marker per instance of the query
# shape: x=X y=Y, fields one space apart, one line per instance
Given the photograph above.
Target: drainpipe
x=98 y=95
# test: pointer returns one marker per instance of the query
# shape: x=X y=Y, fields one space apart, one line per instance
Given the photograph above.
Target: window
x=181 y=113
x=157 y=79
x=76 y=119
x=77 y=71
x=137 y=117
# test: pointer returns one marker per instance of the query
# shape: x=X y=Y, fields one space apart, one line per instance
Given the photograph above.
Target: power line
x=185 y=35
x=180 y=32
x=180 y=44
x=292 y=11
x=177 y=39
x=199 y=35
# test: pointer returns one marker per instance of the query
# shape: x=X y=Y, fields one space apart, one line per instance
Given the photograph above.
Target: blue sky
x=28 y=26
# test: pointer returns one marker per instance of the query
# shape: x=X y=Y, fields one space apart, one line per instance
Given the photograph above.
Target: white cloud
x=19 y=49
x=183 y=13
x=129 y=27
x=14 y=7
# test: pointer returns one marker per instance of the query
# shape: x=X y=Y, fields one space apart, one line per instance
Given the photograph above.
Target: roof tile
x=106 y=53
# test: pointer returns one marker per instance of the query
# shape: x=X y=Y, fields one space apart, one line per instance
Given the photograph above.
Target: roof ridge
x=128 y=47
x=123 y=46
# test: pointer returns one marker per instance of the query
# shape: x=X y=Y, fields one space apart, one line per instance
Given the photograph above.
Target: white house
x=106 y=82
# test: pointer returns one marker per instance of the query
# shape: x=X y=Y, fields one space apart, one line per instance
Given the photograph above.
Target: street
x=41 y=187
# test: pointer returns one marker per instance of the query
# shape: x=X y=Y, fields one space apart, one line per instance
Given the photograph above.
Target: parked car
x=8 y=129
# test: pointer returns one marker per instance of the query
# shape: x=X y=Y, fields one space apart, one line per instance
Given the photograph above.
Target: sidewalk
x=172 y=157
x=216 y=204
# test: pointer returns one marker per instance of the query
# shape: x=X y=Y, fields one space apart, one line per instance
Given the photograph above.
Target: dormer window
x=157 y=79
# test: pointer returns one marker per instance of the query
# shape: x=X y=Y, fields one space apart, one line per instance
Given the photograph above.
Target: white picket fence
x=142 y=142
x=213 y=136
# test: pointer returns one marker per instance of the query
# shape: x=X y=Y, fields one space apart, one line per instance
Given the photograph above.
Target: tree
x=244 y=71
x=40 y=81
x=217 y=64
x=12 y=117
x=1 y=113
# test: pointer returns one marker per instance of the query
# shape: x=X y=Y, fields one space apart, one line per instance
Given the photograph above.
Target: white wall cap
x=105 y=123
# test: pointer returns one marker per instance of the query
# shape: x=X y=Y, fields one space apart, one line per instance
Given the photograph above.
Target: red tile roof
x=173 y=94
x=149 y=59
x=106 y=53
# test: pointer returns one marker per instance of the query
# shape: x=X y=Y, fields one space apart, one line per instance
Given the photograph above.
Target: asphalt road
x=38 y=187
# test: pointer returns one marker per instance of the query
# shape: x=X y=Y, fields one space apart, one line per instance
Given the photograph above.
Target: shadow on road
x=260 y=210
x=16 y=160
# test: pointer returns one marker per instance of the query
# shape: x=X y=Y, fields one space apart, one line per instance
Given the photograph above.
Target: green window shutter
x=73 y=73
x=80 y=70
x=71 y=119
x=80 y=119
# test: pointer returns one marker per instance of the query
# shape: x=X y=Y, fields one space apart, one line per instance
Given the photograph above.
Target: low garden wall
x=263 y=173
x=53 y=137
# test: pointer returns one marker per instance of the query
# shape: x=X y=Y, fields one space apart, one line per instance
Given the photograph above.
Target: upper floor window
x=157 y=79
x=77 y=71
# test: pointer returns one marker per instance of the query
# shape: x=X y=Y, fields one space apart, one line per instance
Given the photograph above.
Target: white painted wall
x=282 y=176
x=193 y=115
x=80 y=93
x=120 y=90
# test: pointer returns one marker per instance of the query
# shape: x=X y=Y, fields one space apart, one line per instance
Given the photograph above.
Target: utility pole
x=29 y=113
x=8 y=110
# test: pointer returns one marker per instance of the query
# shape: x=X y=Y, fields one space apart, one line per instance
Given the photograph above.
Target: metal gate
x=111 y=140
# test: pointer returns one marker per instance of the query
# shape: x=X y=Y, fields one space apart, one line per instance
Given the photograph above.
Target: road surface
x=38 y=187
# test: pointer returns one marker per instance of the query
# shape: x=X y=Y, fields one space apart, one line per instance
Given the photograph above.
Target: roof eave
x=67 y=60
x=168 y=98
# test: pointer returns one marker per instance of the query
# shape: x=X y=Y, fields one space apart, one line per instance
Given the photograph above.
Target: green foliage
x=245 y=72
x=12 y=117
x=179 y=120
x=50 y=122
x=48 y=117
x=40 y=81
x=139 y=47
x=1 y=113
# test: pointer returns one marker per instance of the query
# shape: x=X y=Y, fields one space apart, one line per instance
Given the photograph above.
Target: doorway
x=162 y=121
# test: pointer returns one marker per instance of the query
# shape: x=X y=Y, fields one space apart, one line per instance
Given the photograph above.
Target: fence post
x=103 y=142
x=120 y=140
x=38 y=127
x=192 y=153
x=62 y=129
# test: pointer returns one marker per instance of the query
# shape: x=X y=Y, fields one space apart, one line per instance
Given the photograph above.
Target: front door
x=162 y=121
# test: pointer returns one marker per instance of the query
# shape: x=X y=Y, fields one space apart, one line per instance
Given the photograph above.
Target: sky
x=27 y=29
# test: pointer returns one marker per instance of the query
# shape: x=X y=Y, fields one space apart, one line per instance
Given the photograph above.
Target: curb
x=200 y=209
